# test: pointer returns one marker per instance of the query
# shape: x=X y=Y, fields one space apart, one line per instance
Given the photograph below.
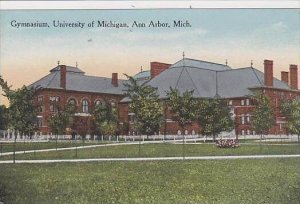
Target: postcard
x=149 y=102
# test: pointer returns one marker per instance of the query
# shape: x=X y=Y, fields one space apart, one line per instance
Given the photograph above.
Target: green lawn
x=21 y=146
x=161 y=150
x=227 y=181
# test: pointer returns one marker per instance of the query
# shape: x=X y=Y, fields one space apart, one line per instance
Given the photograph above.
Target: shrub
x=227 y=143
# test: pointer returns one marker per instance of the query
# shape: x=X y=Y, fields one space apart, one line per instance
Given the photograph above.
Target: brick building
x=209 y=80
x=67 y=84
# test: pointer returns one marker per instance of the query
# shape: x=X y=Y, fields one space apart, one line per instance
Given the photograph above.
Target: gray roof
x=77 y=81
x=142 y=75
x=201 y=64
x=219 y=80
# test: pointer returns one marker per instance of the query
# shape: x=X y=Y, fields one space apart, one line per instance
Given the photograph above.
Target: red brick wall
x=268 y=66
x=285 y=77
x=157 y=67
x=63 y=73
x=294 y=76
x=114 y=79
x=65 y=96
x=240 y=110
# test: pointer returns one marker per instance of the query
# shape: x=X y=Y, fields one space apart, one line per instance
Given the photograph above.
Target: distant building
x=70 y=84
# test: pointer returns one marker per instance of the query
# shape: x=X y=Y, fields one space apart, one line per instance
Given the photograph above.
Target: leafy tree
x=105 y=118
x=291 y=111
x=214 y=116
x=3 y=117
x=22 y=112
x=81 y=124
x=61 y=119
x=146 y=107
x=184 y=109
x=262 y=115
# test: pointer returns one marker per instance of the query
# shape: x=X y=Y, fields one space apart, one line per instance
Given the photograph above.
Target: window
x=230 y=102
x=242 y=102
x=113 y=103
x=40 y=98
x=248 y=132
x=53 y=108
x=242 y=119
x=248 y=118
x=72 y=101
x=54 y=98
x=39 y=121
x=41 y=109
x=99 y=102
x=247 y=102
x=85 y=106
x=131 y=117
x=243 y=132
x=280 y=126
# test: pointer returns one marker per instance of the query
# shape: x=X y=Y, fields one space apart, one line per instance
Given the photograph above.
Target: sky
x=238 y=35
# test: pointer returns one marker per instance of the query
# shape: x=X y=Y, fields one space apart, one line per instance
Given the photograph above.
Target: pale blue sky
x=239 y=35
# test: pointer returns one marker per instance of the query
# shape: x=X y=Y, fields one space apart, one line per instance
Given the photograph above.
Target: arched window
x=85 y=106
x=72 y=101
x=99 y=102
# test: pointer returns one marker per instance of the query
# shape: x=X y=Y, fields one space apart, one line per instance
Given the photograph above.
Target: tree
x=61 y=119
x=81 y=124
x=105 y=118
x=22 y=111
x=3 y=117
x=291 y=111
x=214 y=116
x=184 y=109
x=146 y=107
x=262 y=115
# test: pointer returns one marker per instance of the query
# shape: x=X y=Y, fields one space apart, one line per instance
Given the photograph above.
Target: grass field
x=229 y=181
x=21 y=146
x=161 y=150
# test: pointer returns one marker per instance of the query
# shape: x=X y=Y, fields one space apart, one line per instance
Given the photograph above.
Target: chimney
x=157 y=67
x=63 y=73
x=285 y=77
x=114 y=79
x=268 y=64
x=294 y=76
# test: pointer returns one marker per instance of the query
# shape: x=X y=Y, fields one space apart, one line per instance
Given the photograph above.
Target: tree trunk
x=183 y=145
x=14 y=155
x=56 y=141
x=214 y=138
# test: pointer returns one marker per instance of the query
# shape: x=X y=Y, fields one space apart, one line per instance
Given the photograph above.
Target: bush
x=227 y=143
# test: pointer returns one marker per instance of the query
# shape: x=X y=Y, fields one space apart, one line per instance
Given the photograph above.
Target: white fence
x=9 y=136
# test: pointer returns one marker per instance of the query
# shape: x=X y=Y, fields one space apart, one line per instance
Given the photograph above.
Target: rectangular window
x=40 y=121
x=248 y=118
x=248 y=132
x=247 y=102
x=54 y=98
x=242 y=102
x=131 y=117
x=243 y=132
x=230 y=102
x=243 y=119
x=41 y=109
x=40 y=98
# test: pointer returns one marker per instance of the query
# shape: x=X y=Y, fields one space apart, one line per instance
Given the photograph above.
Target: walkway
x=151 y=159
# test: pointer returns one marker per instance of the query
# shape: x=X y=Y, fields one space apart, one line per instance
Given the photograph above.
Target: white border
x=12 y=5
